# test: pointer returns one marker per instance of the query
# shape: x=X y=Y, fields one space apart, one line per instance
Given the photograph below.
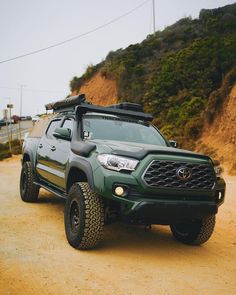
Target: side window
x=68 y=123
x=51 y=128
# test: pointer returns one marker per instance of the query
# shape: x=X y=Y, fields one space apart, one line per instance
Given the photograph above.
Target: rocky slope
x=219 y=138
x=99 y=90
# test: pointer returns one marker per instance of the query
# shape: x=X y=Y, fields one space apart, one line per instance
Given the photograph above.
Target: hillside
x=178 y=74
x=219 y=138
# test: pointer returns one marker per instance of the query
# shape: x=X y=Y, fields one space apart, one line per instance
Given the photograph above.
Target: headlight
x=218 y=170
x=117 y=163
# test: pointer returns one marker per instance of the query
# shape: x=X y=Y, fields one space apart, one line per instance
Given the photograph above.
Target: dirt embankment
x=35 y=258
x=219 y=138
x=99 y=90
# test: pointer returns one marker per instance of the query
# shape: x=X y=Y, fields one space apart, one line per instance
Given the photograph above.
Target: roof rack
x=81 y=106
x=67 y=104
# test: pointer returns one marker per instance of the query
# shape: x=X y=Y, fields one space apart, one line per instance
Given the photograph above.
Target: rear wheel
x=84 y=217
x=194 y=232
x=28 y=190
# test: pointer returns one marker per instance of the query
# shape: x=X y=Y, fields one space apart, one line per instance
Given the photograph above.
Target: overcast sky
x=28 y=25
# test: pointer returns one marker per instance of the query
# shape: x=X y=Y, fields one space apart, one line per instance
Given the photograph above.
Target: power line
x=78 y=36
x=29 y=89
x=41 y=90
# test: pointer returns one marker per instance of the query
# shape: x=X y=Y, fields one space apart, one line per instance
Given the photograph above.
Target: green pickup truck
x=110 y=164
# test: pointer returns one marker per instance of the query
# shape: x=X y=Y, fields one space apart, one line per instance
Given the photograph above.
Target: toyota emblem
x=184 y=173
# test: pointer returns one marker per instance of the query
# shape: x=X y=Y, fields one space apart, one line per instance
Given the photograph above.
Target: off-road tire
x=194 y=232
x=84 y=217
x=28 y=190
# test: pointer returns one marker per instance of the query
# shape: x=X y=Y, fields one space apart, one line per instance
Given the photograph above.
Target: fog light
x=119 y=191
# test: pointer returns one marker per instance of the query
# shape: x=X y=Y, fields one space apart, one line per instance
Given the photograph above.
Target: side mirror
x=173 y=143
x=62 y=133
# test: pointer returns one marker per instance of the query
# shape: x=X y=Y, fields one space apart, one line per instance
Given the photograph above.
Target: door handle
x=53 y=148
x=40 y=145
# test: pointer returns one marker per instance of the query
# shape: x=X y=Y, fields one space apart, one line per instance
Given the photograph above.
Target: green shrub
x=4 y=149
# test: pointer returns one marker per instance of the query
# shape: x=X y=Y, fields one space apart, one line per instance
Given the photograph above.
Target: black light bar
x=86 y=108
x=127 y=106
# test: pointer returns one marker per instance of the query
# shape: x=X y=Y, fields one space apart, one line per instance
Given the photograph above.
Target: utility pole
x=19 y=122
x=8 y=134
x=10 y=106
x=153 y=16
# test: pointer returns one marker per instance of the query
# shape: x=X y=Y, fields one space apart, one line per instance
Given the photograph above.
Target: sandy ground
x=35 y=257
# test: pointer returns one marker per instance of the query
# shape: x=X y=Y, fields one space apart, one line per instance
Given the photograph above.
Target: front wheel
x=84 y=217
x=194 y=232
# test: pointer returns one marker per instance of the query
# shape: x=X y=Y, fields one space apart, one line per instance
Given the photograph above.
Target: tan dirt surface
x=99 y=90
x=35 y=257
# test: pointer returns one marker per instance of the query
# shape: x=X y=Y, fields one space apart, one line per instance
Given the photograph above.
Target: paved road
x=25 y=127
x=35 y=258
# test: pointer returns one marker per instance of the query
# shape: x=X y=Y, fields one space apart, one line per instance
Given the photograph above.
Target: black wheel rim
x=182 y=229
x=74 y=217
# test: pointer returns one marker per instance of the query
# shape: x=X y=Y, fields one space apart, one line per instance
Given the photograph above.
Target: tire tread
x=200 y=232
x=32 y=190
x=93 y=218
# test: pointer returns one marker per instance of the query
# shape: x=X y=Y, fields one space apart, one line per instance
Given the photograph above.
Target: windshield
x=112 y=128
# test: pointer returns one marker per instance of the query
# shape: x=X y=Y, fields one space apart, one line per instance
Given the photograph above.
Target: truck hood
x=140 y=151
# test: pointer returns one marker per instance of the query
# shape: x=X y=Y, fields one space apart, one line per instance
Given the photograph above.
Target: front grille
x=164 y=174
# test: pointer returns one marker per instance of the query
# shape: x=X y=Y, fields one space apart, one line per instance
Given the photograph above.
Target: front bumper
x=166 y=212
x=172 y=208
x=145 y=205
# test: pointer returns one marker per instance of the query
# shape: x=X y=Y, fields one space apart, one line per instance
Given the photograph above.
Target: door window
x=68 y=123
x=51 y=128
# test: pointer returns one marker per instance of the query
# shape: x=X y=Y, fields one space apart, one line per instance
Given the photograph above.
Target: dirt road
x=35 y=257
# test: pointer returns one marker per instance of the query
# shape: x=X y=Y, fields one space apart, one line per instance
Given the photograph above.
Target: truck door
x=46 y=165
x=59 y=157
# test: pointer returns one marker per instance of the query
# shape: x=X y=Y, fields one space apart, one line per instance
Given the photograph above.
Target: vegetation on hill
x=176 y=73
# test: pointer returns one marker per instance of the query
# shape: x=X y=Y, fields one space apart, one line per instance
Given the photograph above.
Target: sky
x=29 y=25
